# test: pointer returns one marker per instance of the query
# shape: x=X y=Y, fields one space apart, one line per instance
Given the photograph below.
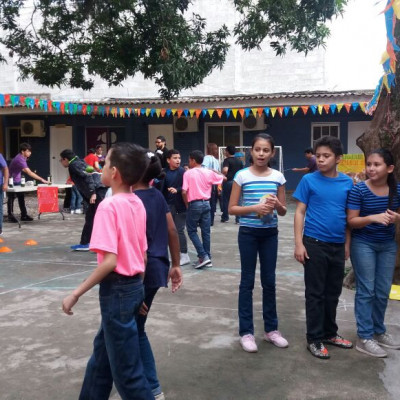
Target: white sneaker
x=184 y=259
x=248 y=343
x=72 y=211
x=78 y=211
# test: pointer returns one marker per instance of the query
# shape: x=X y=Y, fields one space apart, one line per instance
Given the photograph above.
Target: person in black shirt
x=161 y=150
x=230 y=166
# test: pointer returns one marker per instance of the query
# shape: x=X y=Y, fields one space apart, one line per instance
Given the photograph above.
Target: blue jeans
x=198 y=214
x=226 y=195
x=116 y=355
x=264 y=242
x=76 y=199
x=146 y=352
x=373 y=264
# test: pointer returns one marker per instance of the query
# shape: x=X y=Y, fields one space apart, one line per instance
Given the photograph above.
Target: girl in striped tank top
x=262 y=190
x=372 y=209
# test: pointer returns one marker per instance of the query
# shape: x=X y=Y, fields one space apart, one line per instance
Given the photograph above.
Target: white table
x=27 y=189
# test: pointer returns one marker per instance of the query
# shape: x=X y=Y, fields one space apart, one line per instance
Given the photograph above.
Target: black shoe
x=317 y=349
x=26 y=218
x=224 y=220
x=12 y=219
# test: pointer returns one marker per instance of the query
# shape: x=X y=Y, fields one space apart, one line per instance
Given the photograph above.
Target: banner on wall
x=352 y=163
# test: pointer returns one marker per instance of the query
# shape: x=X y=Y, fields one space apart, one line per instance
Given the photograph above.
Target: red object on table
x=48 y=199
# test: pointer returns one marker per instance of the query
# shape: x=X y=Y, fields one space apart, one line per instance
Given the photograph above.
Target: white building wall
x=350 y=61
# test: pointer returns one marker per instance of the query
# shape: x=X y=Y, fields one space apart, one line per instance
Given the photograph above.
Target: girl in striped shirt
x=372 y=209
x=262 y=190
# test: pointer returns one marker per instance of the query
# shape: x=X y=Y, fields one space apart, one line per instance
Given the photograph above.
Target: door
x=161 y=130
x=356 y=129
x=60 y=139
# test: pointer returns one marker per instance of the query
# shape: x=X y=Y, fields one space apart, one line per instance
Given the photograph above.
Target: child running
x=373 y=208
x=323 y=246
x=263 y=192
x=160 y=232
x=121 y=253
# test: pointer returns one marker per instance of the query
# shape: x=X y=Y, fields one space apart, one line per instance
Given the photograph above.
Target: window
x=224 y=135
x=320 y=130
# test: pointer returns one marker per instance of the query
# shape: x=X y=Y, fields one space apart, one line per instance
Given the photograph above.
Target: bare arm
x=175 y=273
x=33 y=175
x=235 y=209
x=355 y=221
x=184 y=197
x=305 y=169
x=107 y=265
x=6 y=176
x=300 y=252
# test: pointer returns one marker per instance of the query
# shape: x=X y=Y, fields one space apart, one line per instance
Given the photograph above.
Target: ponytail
x=154 y=169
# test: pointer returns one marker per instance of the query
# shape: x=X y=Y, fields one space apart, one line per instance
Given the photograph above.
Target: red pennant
x=7 y=99
x=162 y=112
x=280 y=111
x=179 y=113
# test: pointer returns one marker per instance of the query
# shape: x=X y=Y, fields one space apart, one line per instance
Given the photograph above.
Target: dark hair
x=388 y=159
x=212 y=149
x=231 y=149
x=99 y=146
x=91 y=151
x=197 y=156
x=25 y=146
x=263 y=136
x=309 y=150
x=332 y=142
x=162 y=138
x=153 y=170
x=130 y=160
x=68 y=154
x=171 y=152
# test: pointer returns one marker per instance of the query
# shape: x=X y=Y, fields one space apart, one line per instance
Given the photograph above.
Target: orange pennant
x=219 y=112
x=241 y=112
x=347 y=106
x=326 y=108
x=197 y=112
x=179 y=113
x=305 y=109
x=280 y=111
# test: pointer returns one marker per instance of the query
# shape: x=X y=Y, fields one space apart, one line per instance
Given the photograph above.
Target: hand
x=143 y=309
x=346 y=252
x=382 y=218
x=68 y=303
x=44 y=181
x=92 y=198
x=393 y=216
x=172 y=190
x=300 y=253
x=5 y=186
x=175 y=275
x=272 y=201
x=263 y=209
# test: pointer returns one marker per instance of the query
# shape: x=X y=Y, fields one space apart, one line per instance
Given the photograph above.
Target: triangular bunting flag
x=247 y=112
x=179 y=113
x=267 y=110
x=320 y=108
x=326 y=108
x=191 y=112
x=294 y=109
x=354 y=106
x=241 y=112
x=333 y=108
x=219 y=112
x=254 y=111
x=339 y=106
x=347 y=107
x=158 y=112
x=259 y=111
x=227 y=112
x=286 y=111
x=234 y=112
x=313 y=109
x=211 y=112
x=273 y=111
x=280 y=111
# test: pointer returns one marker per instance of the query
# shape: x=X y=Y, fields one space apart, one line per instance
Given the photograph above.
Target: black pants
x=323 y=278
x=21 y=203
x=90 y=213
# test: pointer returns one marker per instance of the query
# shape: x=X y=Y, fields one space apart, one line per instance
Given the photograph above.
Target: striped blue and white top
x=253 y=188
x=361 y=198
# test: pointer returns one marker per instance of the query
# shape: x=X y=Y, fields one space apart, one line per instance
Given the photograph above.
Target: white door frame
x=60 y=139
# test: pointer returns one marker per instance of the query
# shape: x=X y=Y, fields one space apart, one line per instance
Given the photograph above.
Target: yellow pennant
x=158 y=112
x=121 y=112
x=173 y=111
x=385 y=56
x=234 y=112
x=362 y=106
x=396 y=8
x=211 y=112
x=294 y=109
x=254 y=111
x=320 y=108
x=386 y=83
x=339 y=106
x=148 y=111
x=273 y=111
x=191 y=112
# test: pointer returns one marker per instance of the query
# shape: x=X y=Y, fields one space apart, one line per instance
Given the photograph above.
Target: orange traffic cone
x=31 y=242
x=1 y=240
x=5 y=249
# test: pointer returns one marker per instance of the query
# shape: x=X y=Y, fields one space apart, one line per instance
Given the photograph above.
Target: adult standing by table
x=311 y=162
x=17 y=166
x=91 y=189
x=4 y=186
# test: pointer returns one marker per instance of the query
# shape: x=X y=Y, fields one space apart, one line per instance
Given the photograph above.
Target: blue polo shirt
x=325 y=199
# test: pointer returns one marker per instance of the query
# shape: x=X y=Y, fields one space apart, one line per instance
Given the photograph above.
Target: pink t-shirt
x=120 y=228
x=198 y=182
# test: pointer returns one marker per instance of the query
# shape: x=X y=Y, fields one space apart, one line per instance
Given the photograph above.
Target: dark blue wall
x=293 y=133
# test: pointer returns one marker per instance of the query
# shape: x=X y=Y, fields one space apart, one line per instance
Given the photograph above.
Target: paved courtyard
x=194 y=335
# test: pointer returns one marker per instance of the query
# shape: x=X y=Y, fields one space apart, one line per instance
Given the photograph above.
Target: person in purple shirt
x=4 y=187
x=17 y=166
x=311 y=162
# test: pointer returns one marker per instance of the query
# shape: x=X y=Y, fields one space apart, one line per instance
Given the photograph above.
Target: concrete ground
x=193 y=332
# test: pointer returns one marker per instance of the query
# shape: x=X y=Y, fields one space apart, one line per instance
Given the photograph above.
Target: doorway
x=60 y=139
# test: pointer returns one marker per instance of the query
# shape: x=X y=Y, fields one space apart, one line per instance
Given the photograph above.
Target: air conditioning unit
x=186 y=124
x=252 y=123
x=32 y=128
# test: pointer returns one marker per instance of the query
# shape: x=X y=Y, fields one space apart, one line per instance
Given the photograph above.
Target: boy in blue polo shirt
x=324 y=244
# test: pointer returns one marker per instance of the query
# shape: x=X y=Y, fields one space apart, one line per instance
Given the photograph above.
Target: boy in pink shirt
x=121 y=255
x=196 y=193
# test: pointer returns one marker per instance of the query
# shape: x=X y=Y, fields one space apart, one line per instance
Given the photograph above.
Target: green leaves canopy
x=70 y=41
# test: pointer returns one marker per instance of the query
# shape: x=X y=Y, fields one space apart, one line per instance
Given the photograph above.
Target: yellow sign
x=352 y=163
x=395 y=292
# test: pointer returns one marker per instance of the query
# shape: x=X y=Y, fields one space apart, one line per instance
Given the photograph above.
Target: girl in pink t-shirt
x=121 y=253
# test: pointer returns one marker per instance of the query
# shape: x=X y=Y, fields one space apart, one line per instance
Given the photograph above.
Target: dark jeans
x=264 y=243
x=226 y=195
x=89 y=216
x=213 y=202
x=21 y=204
x=116 y=353
x=180 y=223
x=146 y=352
x=198 y=214
x=323 y=278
